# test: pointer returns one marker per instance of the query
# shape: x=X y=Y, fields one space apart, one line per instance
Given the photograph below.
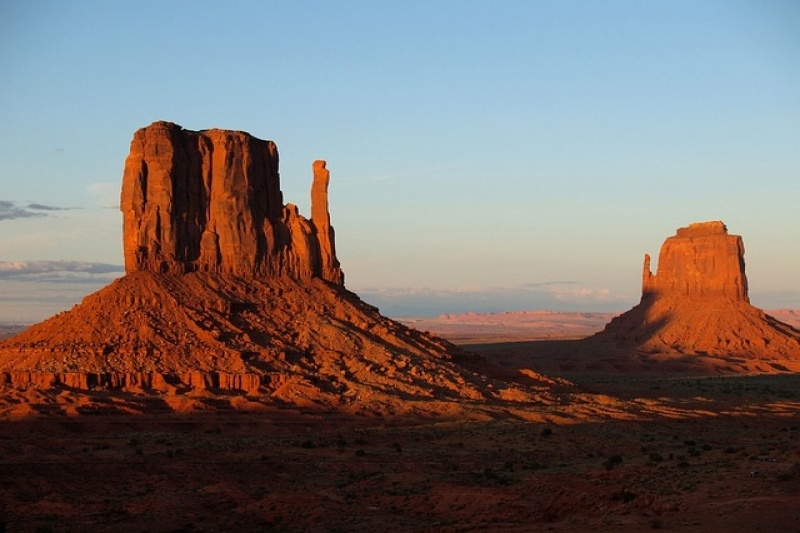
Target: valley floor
x=732 y=464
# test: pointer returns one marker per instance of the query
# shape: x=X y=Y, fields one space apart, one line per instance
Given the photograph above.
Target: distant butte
x=698 y=303
x=229 y=289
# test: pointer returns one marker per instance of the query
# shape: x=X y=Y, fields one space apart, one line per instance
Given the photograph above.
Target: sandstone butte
x=228 y=288
x=697 y=303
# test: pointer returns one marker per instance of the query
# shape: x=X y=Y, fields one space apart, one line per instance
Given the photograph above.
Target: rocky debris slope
x=697 y=303
x=229 y=289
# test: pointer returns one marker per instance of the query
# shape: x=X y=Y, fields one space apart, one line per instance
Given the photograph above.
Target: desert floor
x=723 y=455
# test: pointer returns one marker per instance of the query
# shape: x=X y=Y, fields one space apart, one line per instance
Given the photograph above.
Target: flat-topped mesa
x=699 y=261
x=211 y=201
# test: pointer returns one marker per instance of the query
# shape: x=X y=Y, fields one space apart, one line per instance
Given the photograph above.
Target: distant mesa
x=228 y=288
x=697 y=303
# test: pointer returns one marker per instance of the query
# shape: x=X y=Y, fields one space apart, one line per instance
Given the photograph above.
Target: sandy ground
x=675 y=449
x=722 y=455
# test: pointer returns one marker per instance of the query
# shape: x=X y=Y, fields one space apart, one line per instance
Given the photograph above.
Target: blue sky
x=483 y=155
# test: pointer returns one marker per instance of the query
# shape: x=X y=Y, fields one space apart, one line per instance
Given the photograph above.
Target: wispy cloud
x=56 y=271
x=43 y=207
x=12 y=210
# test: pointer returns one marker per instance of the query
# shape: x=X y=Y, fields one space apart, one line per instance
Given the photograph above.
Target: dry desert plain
x=634 y=451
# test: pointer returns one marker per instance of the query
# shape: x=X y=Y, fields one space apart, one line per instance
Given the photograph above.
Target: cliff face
x=211 y=201
x=697 y=303
x=699 y=261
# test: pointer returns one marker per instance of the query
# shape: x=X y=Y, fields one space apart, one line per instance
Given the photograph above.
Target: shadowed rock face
x=697 y=302
x=211 y=201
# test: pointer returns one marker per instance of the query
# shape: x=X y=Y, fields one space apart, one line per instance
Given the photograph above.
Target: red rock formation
x=227 y=288
x=211 y=201
x=329 y=265
x=699 y=261
x=698 y=302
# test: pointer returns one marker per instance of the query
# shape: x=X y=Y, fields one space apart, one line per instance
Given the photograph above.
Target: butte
x=697 y=304
x=230 y=291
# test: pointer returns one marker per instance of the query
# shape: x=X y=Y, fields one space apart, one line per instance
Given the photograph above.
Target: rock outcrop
x=227 y=288
x=700 y=261
x=698 y=303
x=211 y=201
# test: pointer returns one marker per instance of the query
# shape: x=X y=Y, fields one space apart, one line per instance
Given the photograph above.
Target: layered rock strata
x=698 y=303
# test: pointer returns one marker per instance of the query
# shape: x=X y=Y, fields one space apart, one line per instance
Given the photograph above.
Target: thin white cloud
x=57 y=271
x=11 y=211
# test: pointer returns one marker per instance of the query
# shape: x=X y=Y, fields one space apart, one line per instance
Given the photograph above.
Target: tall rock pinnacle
x=321 y=219
x=697 y=303
x=211 y=201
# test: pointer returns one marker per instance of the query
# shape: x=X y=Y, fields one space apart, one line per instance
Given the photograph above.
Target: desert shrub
x=546 y=432
x=656 y=457
x=534 y=466
x=656 y=523
x=307 y=444
x=494 y=478
x=623 y=496
x=396 y=447
x=613 y=461
x=360 y=453
x=791 y=474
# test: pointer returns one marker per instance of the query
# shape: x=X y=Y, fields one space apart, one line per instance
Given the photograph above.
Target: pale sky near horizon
x=484 y=156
